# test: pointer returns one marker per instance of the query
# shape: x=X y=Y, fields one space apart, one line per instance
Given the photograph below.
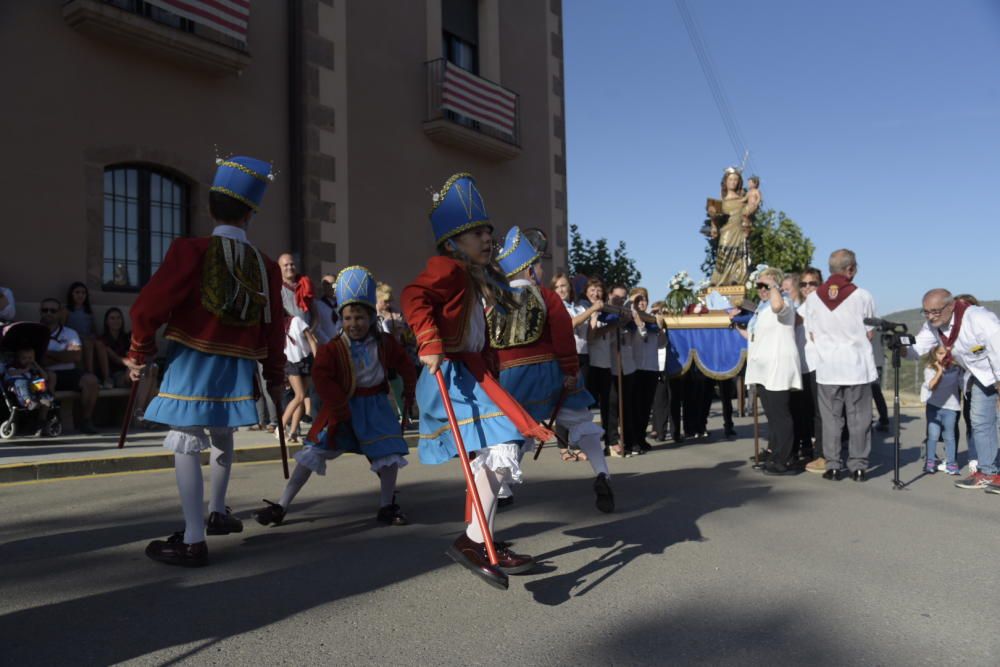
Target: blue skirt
x=373 y=431
x=481 y=422
x=201 y=389
x=537 y=388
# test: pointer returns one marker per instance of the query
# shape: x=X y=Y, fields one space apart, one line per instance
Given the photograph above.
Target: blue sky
x=874 y=125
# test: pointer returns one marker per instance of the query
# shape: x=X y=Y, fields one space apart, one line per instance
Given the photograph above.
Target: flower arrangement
x=681 y=293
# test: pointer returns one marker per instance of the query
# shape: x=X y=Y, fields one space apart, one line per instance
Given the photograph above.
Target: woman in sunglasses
x=773 y=365
x=809 y=281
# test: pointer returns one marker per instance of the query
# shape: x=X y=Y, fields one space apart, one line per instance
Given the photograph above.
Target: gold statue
x=731 y=227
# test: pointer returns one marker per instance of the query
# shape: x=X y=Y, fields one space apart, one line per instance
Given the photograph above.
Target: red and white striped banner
x=466 y=94
x=230 y=17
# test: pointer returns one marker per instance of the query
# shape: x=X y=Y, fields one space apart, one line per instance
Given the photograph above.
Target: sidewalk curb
x=32 y=471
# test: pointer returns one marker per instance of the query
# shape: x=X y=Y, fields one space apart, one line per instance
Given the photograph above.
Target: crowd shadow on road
x=672 y=501
x=333 y=549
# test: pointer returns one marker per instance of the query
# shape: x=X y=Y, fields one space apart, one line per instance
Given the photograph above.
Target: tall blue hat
x=355 y=284
x=458 y=207
x=517 y=253
x=243 y=178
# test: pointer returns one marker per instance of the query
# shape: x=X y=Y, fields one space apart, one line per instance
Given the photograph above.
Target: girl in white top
x=300 y=348
x=940 y=391
x=773 y=364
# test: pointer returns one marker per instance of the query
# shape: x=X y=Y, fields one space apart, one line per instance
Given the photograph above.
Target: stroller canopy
x=20 y=335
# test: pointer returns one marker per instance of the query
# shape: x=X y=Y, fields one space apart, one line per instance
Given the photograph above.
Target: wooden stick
x=470 y=482
x=129 y=407
x=552 y=420
x=281 y=443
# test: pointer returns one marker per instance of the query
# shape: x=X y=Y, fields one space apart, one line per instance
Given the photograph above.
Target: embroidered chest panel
x=234 y=283
x=522 y=325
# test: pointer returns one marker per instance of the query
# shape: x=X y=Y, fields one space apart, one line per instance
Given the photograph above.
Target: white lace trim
x=315 y=458
x=389 y=460
x=503 y=459
x=194 y=439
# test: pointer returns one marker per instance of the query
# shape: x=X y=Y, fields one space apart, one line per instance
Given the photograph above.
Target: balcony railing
x=468 y=111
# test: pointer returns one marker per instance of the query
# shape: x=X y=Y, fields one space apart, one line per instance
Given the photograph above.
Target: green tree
x=595 y=258
x=776 y=240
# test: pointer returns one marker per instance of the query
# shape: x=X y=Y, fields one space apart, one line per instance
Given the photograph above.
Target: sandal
x=569 y=456
x=581 y=455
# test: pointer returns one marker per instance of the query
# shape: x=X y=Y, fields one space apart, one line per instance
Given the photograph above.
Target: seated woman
x=112 y=347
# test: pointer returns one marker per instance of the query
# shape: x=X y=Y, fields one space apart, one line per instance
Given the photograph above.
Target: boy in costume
x=538 y=361
x=221 y=301
x=444 y=307
x=351 y=376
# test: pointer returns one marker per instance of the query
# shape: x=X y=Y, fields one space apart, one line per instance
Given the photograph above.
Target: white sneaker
x=973 y=466
x=942 y=467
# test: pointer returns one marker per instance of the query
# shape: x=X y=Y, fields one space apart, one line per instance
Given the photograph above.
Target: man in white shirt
x=971 y=334
x=61 y=359
x=845 y=367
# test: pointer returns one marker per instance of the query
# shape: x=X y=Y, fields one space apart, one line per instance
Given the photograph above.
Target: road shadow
x=673 y=502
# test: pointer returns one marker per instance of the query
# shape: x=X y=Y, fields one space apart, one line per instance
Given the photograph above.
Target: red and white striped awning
x=230 y=17
x=467 y=94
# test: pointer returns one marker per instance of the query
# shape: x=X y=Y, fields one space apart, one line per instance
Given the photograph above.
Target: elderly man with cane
x=971 y=336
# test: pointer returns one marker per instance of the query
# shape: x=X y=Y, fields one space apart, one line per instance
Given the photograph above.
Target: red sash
x=949 y=340
x=835 y=290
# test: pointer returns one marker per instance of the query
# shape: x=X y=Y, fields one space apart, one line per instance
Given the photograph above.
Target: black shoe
x=605 y=497
x=773 y=469
x=833 y=475
x=678 y=437
x=87 y=427
x=472 y=556
x=730 y=432
x=505 y=502
x=859 y=476
x=272 y=514
x=644 y=447
x=391 y=515
x=173 y=551
x=223 y=524
x=882 y=426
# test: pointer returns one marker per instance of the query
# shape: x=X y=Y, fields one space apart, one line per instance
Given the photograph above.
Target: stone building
x=116 y=109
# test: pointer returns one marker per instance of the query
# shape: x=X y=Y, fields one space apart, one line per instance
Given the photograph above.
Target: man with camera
x=971 y=336
x=845 y=368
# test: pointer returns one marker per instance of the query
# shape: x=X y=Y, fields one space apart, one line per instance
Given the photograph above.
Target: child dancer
x=941 y=388
x=221 y=301
x=351 y=376
x=444 y=307
x=538 y=361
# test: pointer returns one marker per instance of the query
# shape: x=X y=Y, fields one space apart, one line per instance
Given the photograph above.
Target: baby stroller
x=13 y=337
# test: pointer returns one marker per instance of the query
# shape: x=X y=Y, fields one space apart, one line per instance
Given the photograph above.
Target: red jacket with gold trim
x=333 y=375
x=556 y=341
x=173 y=297
x=436 y=305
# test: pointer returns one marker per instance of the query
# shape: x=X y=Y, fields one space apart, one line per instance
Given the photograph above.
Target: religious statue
x=731 y=221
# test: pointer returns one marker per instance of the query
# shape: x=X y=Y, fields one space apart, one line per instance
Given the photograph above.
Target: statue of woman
x=731 y=262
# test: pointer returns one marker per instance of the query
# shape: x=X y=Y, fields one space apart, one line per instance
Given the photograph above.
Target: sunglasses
x=49 y=311
x=763 y=286
x=809 y=283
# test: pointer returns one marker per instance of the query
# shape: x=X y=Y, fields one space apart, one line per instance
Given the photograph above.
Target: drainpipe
x=296 y=134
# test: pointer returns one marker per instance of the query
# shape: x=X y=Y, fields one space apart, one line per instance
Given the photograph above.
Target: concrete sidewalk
x=25 y=459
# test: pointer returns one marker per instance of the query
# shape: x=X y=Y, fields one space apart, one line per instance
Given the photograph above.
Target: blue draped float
x=719 y=353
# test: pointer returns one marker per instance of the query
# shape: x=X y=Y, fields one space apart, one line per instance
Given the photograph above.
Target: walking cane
x=756 y=426
x=621 y=398
x=552 y=420
x=129 y=407
x=284 y=447
x=470 y=483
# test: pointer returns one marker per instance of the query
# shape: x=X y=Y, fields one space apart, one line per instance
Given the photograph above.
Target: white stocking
x=220 y=464
x=387 y=479
x=299 y=478
x=191 y=488
x=488 y=485
x=592 y=447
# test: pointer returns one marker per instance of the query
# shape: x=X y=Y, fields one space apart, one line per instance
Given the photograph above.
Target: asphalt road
x=705 y=562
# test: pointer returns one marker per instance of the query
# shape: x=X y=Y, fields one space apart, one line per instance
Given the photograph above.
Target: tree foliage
x=596 y=259
x=776 y=240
